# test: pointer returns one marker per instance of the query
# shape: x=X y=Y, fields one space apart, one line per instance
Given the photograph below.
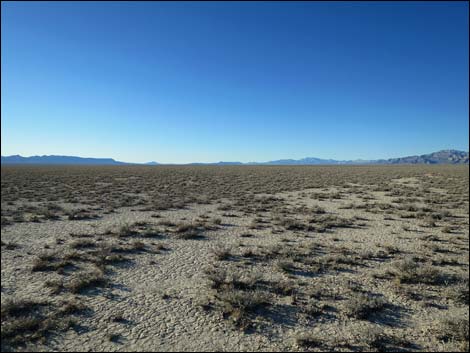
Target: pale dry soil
x=159 y=293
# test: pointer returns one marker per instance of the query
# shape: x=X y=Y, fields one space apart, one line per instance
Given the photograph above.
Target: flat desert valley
x=235 y=258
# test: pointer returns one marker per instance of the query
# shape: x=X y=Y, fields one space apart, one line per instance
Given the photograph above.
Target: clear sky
x=186 y=82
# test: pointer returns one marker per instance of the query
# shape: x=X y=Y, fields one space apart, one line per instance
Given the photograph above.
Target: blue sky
x=186 y=82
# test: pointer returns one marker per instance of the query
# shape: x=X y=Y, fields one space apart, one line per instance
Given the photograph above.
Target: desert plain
x=235 y=258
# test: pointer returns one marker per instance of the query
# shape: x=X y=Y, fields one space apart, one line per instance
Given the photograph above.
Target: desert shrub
x=459 y=292
x=454 y=328
x=410 y=271
x=83 y=244
x=189 y=231
x=49 y=262
x=361 y=306
x=138 y=246
x=71 y=307
x=239 y=306
x=87 y=280
x=222 y=253
x=285 y=266
x=308 y=340
x=447 y=229
x=19 y=307
x=56 y=286
x=291 y=224
x=126 y=230
x=26 y=321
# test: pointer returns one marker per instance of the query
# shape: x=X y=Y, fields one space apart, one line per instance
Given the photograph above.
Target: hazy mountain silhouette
x=17 y=159
x=440 y=157
x=309 y=161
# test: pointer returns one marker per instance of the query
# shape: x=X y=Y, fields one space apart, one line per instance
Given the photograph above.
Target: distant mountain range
x=17 y=159
x=440 y=157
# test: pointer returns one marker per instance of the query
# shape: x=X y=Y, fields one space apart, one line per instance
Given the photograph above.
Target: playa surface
x=339 y=258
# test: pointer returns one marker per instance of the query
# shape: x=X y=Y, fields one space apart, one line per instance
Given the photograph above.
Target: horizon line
x=238 y=161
